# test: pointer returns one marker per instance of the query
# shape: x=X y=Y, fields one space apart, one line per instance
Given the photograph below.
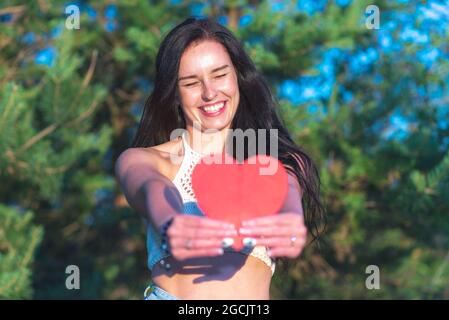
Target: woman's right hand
x=194 y=236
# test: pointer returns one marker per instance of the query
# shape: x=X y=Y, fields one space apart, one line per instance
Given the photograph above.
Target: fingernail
x=220 y=251
x=247 y=223
x=231 y=233
x=227 y=242
x=269 y=253
x=249 y=242
x=243 y=231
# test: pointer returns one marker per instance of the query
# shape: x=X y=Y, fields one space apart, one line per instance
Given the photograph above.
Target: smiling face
x=208 y=87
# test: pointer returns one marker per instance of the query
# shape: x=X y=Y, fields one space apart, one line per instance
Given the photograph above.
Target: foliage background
x=370 y=105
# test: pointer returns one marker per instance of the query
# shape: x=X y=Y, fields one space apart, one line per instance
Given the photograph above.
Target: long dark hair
x=257 y=109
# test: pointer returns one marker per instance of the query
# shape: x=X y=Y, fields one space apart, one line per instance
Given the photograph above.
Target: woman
x=205 y=83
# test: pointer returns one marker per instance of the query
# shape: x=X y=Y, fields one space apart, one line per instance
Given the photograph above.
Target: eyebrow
x=214 y=70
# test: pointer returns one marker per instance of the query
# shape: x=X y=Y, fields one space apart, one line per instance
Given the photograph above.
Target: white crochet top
x=183 y=183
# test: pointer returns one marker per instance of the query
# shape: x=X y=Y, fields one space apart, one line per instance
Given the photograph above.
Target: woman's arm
x=284 y=233
x=293 y=201
x=147 y=191
x=156 y=198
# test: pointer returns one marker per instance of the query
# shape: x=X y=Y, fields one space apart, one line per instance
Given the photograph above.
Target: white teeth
x=213 y=108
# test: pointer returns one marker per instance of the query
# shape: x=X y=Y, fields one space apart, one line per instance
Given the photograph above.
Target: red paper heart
x=230 y=191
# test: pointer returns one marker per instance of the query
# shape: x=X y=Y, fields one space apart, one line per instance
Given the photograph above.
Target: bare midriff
x=226 y=277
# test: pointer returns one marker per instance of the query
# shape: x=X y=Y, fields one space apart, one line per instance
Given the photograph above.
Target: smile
x=213 y=110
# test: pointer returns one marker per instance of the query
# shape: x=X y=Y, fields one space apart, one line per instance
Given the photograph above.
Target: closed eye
x=191 y=84
x=221 y=75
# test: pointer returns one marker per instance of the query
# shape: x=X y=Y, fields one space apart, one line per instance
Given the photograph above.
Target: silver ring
x=293 y=240
x=188 y=244
x=249 y=242
x=227 y=242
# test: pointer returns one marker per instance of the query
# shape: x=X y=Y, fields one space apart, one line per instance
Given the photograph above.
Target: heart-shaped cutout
x=231 y=191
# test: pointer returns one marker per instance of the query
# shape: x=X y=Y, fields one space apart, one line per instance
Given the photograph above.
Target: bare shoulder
x=169 y=156
x=167 y=149
x=133 y=157
x=158 y=157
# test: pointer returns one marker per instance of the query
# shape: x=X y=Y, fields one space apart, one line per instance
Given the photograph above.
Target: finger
x=281 y=242
x=210 y=243
x=199 y=232
x=183 y=254
x=272 y=231
x=202 y=222
x=279 y=219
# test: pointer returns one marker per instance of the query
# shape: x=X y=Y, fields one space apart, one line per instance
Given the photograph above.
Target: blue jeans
x=153 y=292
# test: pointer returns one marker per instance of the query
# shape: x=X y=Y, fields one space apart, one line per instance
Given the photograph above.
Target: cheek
x=189 y=97
x=231 y=88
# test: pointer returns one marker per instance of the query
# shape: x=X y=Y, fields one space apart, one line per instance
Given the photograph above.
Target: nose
x=209 y=92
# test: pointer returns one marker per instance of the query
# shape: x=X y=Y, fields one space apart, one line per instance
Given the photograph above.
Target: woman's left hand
x=284 y=234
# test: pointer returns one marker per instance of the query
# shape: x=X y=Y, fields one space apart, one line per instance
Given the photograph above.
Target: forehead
x=203 y=56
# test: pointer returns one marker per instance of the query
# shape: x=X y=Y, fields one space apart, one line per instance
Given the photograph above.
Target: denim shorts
x=153 y=292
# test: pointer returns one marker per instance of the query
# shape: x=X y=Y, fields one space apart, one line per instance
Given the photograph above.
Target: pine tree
x=369 y=105
x=19 y=238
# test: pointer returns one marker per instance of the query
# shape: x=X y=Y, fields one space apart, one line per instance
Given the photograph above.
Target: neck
x=208 y=142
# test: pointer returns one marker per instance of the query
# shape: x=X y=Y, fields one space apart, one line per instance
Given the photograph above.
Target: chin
x=218 y=125
x=215 y=127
